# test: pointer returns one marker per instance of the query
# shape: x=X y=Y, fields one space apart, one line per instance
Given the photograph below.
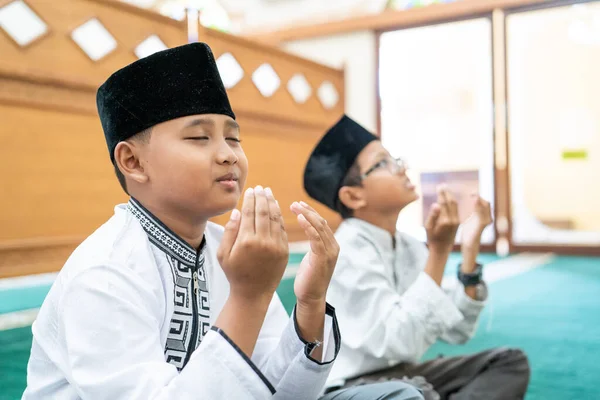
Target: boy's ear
x=127 y=158
x=353 y=197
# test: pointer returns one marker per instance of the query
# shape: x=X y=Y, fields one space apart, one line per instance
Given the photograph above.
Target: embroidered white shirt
x=130 y=317
x=390 y=310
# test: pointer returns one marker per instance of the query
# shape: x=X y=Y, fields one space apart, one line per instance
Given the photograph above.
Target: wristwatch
x=472 y=279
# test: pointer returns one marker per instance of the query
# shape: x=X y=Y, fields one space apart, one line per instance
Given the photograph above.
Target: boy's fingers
x=432 y=217
x=308 y=207
x=453 y=207
x=330 y=237
x=262 y=220
x=315 y=220
x=316 y=242
x=283 y=233
x=274 y=214
x=443 y=201
x=230 y=233
x=247 y=226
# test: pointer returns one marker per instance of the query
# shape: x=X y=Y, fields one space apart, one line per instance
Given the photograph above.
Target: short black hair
x=352 y=178
x=144 y=137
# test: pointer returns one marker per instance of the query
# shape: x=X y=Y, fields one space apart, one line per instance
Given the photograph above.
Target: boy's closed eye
x=381 y=163
x=203 y=138
x=196 y=138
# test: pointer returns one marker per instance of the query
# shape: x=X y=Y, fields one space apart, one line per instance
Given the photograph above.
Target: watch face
x=470 y=279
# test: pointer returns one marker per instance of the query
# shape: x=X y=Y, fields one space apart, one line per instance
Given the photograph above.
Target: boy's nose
x=226 y=156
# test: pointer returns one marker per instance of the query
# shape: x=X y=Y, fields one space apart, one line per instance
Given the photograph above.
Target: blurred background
x=498 y=96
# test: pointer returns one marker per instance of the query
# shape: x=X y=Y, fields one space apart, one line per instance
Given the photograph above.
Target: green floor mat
x=553 y=313
x=17 y=299
x=15 y=345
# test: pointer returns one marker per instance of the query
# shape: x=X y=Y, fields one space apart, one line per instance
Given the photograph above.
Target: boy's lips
x=229 y=181
x=228 y=177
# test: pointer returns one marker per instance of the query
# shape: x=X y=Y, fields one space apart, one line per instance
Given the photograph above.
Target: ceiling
x=244 y=16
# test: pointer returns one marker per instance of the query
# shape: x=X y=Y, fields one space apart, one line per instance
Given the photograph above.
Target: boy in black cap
x=159 y=303
x=387 y=286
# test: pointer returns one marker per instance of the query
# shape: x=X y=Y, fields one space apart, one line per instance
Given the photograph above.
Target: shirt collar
x=163 y=237
x=382 y=237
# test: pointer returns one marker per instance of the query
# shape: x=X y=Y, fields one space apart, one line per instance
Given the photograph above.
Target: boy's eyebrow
x=232 y=124
x=199 y=122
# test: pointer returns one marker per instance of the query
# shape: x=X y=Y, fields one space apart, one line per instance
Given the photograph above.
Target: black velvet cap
x=331 y=159
x=166 y=85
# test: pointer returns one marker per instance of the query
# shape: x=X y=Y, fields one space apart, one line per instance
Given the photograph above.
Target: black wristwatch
x=472 y=279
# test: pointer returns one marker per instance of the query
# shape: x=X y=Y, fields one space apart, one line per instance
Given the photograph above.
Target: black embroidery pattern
x=191 y=319
x=161 y=235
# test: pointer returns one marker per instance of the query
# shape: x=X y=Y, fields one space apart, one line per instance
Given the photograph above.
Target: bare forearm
x=436 y=263
x=311 y=323
x=470 y=251
x=469 y=257
x=241 y=319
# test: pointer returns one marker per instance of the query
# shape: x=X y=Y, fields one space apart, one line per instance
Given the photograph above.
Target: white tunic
x=131 y=316
x=389 y=310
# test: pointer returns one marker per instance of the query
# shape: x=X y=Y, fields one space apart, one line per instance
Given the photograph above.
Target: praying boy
x=159 y=303
x=387 y=285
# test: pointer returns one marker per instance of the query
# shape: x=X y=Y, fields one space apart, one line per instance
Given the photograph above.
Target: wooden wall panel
x=56 y=57
x=56 y=181
x=57 y=178
x=246 y=99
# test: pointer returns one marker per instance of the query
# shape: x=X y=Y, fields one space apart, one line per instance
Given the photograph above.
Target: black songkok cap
x=163 y=86
x=331 y=159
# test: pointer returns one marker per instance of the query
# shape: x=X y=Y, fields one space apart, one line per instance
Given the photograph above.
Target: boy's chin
x=414 y=197
x=222 y=209
x=408 y=199
x=224 y=206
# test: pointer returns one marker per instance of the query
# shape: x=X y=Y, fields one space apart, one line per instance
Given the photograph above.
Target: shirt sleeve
x=380 y=322
x=470 y=309
x=112 y=348
x=285 y=358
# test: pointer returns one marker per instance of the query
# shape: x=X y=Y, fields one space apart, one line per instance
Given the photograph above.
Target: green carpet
x=15 y=345
x=18 y=299
x=551 y=312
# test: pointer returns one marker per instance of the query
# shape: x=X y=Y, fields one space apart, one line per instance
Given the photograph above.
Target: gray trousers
x=497 y=374
x=391 y=390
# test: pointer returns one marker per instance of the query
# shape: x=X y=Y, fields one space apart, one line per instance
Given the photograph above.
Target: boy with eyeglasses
x=387 y=285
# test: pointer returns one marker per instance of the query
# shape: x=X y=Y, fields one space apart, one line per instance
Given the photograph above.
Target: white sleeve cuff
x=237 y=362
x=437 y=310
x=467 y=305
x=331 y=338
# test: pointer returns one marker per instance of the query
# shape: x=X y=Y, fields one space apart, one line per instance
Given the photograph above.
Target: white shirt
x=130 y=317
x=389 y=310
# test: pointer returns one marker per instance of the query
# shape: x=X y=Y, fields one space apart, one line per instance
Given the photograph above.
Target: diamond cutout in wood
x=149 y=46
x=299 y=88
x=230 y=70
x=328 y=95
x=21 y=23
x=93 y=38
x=266 y=80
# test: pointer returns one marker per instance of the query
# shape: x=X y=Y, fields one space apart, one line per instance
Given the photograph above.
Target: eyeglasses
x=393 y=165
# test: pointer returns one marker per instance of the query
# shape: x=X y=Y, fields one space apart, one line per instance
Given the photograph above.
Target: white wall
x=356 y=52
